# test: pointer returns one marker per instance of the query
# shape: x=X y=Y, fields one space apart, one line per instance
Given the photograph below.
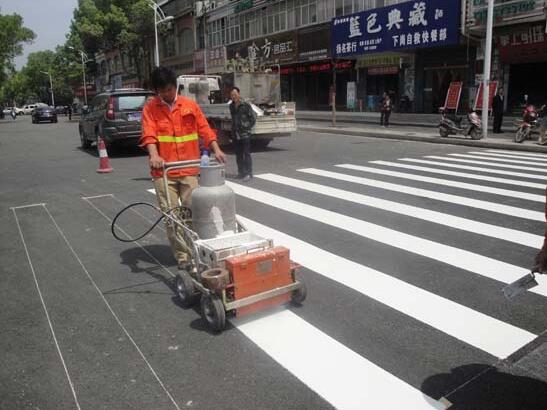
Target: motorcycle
x=453 y=126
x=529 y=124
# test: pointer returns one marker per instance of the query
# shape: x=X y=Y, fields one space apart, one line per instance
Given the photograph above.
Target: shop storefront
x=410 y=37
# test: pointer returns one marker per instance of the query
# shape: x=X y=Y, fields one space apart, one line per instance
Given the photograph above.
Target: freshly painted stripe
x=539 y=161
x=477 y=329
x=526 y=153
x=480 y=228
x=472 y=262
x=339 y=375
x=500 y=161
x=478 y=169
x=439 y=196
x=490 y=164
x=444 y=182
x=461 y=174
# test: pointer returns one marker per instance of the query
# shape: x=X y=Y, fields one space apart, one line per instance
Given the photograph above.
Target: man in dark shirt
x=497 y=108
x=243 y=120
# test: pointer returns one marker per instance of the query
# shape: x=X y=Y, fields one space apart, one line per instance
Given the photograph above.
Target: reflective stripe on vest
x=184 y=138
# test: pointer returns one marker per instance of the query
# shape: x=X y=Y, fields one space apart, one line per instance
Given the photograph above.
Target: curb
x=435 y=140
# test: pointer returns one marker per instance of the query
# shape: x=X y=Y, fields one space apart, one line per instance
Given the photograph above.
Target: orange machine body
x=258 y=272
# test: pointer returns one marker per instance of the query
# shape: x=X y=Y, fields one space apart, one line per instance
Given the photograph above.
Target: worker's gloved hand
x=220 y=156
x=541 y=260
x=156 y=161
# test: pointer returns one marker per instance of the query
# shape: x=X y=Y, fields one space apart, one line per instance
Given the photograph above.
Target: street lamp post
x=487 y=63
x=51 y=87
x=85 y=59
x=158 y=12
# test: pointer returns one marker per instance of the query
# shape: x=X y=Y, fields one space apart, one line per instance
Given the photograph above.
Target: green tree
x=12 y=36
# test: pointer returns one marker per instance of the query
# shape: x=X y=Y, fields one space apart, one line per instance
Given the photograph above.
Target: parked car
x=44 y=114
x=115 y=116
x=18 y=111
x=60 y=109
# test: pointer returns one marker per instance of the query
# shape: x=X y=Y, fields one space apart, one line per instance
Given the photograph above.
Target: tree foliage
x=12 y=36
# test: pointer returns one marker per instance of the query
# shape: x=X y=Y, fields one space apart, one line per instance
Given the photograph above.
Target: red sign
x=388 y=70
x=452 y=101
x=525 y=44
x=315 y=68
x=478 y=100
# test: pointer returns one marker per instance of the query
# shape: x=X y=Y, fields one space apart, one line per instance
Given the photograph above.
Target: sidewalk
x=418 y=133
x=396 y=118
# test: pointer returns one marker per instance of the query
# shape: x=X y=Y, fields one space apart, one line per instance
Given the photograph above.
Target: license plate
x=137 y=116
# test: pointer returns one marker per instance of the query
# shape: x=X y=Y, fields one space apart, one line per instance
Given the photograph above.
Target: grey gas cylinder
x=213 y=204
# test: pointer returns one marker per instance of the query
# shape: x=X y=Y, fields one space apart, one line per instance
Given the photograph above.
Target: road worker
x=172 y=127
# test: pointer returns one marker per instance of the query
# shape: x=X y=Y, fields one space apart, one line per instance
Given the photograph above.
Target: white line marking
x=439 y=196
x=97 y=196
x=46 y=311
x=479 y=169
x=479 y=330
x=27 y=206
x=338 y=374
x=479 y=228
x=490 y=164
x=526 y=153
x=329 y=368
x=152 y=191
x=500 y=161
x=108 y=304
x=462 y=174
x=445 y=182
x=529 y=160
x=462 y=259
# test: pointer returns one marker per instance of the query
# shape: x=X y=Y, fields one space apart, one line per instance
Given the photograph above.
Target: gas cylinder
x=213 y=204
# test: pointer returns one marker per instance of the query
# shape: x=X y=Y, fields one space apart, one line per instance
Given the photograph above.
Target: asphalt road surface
x=405 y=247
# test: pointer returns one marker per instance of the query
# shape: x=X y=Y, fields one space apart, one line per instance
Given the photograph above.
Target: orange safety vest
x=176 y=133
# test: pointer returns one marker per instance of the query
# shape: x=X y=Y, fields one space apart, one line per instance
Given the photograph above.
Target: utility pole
x=51 y=87
x=85 y=59
x=163 y=19
x=487 y=67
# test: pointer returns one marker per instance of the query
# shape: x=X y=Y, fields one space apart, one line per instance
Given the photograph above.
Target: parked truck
x=262 y=90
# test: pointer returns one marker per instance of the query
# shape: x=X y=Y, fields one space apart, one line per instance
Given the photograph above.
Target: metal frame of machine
x=209 y=276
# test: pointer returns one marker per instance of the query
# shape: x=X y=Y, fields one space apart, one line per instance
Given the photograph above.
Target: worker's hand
x=156 y=161
x=220 y=156
x=541 y=260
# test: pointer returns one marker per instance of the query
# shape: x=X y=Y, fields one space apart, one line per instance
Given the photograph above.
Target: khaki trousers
x=179 y=191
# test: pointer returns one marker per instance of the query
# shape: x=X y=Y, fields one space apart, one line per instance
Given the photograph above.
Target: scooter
x=529 y=124
x=453 y=126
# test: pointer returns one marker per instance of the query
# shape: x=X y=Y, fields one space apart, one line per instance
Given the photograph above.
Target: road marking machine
x=232 y=270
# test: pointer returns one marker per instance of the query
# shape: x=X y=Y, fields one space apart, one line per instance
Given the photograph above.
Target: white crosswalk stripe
x=520 y=153
x=439 y=196
x=490 y=164
x=539 y=161
x=461 y=174
x=500 y=161
x=445 y=182
x=478 y=169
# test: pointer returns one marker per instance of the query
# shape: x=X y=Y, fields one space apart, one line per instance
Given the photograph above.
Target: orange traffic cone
x=104 y=162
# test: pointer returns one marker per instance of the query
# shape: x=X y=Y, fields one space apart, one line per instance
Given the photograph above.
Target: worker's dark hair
x=162 y=77
x=237 y=89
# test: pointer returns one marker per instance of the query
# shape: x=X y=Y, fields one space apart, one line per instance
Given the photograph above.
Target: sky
x=49 y=19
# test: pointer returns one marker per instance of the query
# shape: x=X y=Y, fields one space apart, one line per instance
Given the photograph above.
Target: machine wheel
x=212 y=312
x=84 y=142
x=475 y=135
x=185 y=289
x=443 y=132
x=522 y=133
x=299 y=295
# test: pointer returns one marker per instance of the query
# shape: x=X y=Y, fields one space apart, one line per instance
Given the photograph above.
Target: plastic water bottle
x=204 y=159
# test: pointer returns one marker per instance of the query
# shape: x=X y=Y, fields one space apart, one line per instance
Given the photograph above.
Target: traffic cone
x=104 y=162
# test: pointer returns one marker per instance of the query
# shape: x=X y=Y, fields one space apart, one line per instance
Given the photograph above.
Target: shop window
x=283 y=21
x=186 y=42
x=339 y=11
x=313 y=13
x=297 y=17
x=348 y=6
x=305 y=16
x=291 y=18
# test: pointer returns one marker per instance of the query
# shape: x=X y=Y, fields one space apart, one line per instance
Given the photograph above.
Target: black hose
x=112 y=226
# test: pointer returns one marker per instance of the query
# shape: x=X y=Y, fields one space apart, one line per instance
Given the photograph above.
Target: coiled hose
x=113 y=225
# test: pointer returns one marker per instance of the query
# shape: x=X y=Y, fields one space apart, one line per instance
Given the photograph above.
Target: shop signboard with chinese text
x=265 y=51
x=492 y=91
x=523 y=44
x=404 y=26
x=505 y=13
x=453 y=96
x=216 y=60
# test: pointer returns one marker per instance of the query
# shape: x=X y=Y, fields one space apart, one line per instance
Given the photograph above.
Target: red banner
x=388 y=70
x=478 y=100
x=453 y=96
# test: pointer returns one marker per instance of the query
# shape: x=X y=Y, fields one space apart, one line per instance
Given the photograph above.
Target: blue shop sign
x=410 y=25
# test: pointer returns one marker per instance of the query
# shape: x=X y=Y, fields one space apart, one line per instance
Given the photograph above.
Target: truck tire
x=261 y=143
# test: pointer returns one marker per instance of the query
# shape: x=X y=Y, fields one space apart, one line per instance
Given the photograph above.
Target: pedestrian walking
x=497 y=108
x=172 y=126
x=69 y=109
x=385 y=110
x=13 y=114
x=243 y=120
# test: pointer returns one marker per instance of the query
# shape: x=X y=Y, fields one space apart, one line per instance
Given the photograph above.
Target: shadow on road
x=491 y=390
